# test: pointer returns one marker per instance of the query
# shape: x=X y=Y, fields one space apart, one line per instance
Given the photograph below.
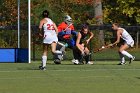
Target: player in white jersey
x=49 y=37
x=129 y=42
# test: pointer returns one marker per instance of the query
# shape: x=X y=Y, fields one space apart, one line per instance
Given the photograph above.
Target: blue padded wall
x=11 y=55
x=7 y=55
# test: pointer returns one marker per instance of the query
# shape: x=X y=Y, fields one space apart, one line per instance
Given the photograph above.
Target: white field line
x=43 y=77
x=9 y=71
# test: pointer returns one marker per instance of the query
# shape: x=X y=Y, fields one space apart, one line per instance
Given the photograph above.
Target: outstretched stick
x=102 y=48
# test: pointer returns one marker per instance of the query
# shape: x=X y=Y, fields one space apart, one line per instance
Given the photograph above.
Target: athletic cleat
x=42 y=68
x=90 y=63
x=122 y=63
x=80 y=63
x=76 y=62
x=131 y=59
x=57 y=61
x=73 y=60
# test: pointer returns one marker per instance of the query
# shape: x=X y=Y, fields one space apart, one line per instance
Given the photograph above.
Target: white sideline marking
x=44 y=77
x=93 y=69
x=8 y=71
x=15 y=78
x=86 y=77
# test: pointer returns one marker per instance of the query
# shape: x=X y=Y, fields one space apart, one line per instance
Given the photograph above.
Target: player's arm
x=40 y=27
x=118 y=38
x=78 y=42
x=91 y=36
x=78 y=39
x=72 y=27
x=55 y=27
x=60 y=27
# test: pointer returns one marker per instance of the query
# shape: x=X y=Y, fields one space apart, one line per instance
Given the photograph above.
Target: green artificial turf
x=102 y=77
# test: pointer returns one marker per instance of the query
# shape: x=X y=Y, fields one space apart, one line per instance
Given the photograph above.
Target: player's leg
x=76 y=55
x=61 y=47
x=81 y=53
x=75 y=52
x=56 y=53
x=87 y=56
x=122 y=58
x=124 y=52
x=53 y=47
x=44 y=57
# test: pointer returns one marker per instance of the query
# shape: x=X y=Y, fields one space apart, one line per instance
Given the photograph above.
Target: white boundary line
x=8 y=71
x=85 y=77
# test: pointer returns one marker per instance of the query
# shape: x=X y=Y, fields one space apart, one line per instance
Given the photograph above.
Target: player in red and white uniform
x=129 y=42
x=49 y=36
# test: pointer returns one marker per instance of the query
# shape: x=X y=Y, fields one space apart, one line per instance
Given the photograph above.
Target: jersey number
x=50 y=27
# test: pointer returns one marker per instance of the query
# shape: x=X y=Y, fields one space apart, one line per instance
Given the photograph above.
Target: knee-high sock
x=44 y=60
x=58 y=52
x=76 y=53
x=127 y=54
x=121 y=57
x=62 y=48
x=87 y=58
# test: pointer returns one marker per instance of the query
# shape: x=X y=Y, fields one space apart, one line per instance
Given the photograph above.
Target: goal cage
x=10 y=40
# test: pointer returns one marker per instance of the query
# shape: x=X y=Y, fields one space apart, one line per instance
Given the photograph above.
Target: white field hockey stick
x=68 y=27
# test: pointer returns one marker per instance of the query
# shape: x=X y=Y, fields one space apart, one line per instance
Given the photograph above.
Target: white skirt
x=50 y=38
x=131 y=44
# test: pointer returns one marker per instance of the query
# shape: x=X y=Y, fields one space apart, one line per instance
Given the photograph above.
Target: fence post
x=34 y=51
x=137 y=41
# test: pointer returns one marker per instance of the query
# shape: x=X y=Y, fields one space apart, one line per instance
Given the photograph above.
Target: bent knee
x=120 y=50
x=53 y=51
x=87 y=51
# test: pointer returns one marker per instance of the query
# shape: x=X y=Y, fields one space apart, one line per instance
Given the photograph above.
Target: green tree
x=122 y=11
x=8 y=12
x=58 y=8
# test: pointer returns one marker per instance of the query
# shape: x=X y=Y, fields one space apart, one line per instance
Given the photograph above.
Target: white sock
x=58 y=52
x=44 y=59
x=127 y=54
x=122 y=60
x=122 y=57
x=63 y=48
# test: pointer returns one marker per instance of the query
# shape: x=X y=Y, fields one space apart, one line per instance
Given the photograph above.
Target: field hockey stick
x=102 y=48
x=83 y=54
x=68 y=27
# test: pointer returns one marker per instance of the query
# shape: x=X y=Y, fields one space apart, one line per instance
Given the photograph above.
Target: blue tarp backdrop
x=12 y=55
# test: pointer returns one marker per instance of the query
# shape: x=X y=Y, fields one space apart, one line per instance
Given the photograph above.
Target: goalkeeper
x=66 y=32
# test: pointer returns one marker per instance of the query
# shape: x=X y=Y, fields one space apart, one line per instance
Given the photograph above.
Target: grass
x=102 y=77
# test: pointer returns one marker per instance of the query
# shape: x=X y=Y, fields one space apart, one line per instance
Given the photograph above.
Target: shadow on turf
x=28 y=68
x=37 y=67
x=137 y=77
